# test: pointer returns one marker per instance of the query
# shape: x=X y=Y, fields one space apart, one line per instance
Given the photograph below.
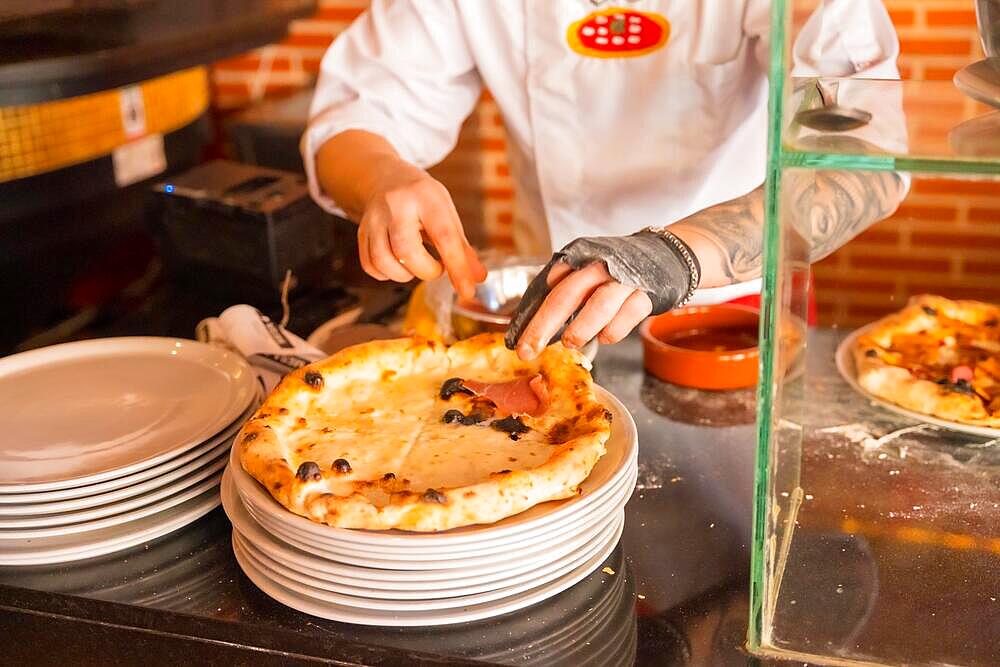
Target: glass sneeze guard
x=876 y=532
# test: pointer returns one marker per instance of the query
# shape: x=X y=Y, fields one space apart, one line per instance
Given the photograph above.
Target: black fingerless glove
x=657 y=262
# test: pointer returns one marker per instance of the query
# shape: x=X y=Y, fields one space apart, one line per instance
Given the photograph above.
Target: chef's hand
x=603 y=287
x=406 y=206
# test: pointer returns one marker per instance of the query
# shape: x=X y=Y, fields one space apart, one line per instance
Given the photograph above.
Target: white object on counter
x=271 y=350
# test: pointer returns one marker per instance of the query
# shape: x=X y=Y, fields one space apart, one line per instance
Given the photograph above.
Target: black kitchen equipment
x=239 y=228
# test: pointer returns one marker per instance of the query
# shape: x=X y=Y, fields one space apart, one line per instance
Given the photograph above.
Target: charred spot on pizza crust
x=388 y=477
x=608 y=416
x=341 y=466
x=249 y=437
x=309 y=471
x=512 y=426
x=434 y=496
x=871 y=353
x=929 y=311
x=992 y=322
x=313 y=379
x=282 y=411
x=562 y=431
x=451 y=387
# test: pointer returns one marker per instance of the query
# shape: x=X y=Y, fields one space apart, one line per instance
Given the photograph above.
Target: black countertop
x=678 y=595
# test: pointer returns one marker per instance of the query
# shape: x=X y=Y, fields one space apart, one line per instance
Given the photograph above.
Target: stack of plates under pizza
x=108 y=444
x=406 y=482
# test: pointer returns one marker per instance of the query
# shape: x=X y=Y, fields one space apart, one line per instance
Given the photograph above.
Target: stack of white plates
x=400 y=578
x=110 y=443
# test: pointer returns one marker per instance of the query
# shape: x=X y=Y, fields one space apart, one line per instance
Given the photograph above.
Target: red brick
x=954 y=241
x=939 y=73
x=501 y=194
x=958 y=291
x=918 y=212
x=502 y=170
x=942 y=186
x=338 y=13
x=878 y=236
x=308 y=39
x=902 y=17
x=230 y=89
x=985 y=215
x=989 y=268
x=905 y=71
x=505 y=218
x=281 y=89
x=311 y=65
x=859 y=285
x=948 y=46
x=951 y=17
x=493 y=144
x=869 y=311
x=899 y=263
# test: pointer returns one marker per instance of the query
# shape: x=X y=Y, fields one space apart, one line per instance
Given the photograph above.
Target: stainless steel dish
x=505 y=283
x=988 y=19
x=506 y=280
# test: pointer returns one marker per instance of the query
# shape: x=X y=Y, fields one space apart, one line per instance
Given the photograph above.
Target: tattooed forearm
x=833 y=207
x=829 y=208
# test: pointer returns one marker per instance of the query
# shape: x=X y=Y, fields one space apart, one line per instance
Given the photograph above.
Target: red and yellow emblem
x=617 y=32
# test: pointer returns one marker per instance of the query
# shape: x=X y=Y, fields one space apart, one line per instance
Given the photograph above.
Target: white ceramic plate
x=28 y=534
x=320 y=580
x=83 y=412
x=317 y=607
x=527 y=540
x=386 y=580
x=319 y=589
x=845 y=365
x=622 y=448
x=66 y=548
x=66 y=519
x=138 y=482
x=102 y=500
x=544 y=553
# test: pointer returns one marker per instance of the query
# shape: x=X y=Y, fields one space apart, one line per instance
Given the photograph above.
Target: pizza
x=416 y=435
x=618 y=33
x=936 y=356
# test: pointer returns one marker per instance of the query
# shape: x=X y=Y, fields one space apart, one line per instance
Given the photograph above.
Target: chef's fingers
x=597 y=313
x=635 y=309
x=383 y=258
x=559 y=271
x=364 y=254
x=560 y=304
x=408 y=247
x=441 y=222
x=478 y=270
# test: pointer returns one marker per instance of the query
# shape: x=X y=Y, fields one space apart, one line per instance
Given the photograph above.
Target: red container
x=706 y=347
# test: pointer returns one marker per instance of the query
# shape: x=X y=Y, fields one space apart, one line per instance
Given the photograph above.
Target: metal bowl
x=506 y=282
x=988 y=19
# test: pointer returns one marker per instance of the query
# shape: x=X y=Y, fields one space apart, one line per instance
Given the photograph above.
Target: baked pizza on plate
x=936 y=357
x=416 y=435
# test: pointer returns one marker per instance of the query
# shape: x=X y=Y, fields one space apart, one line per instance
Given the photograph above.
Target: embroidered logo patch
x=617 y=32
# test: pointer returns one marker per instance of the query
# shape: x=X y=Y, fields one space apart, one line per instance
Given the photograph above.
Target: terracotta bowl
x=669 y=343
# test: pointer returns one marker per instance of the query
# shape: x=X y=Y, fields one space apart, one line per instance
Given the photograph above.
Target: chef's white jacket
x=597 y=146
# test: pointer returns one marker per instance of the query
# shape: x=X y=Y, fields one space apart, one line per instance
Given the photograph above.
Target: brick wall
x=941 y=240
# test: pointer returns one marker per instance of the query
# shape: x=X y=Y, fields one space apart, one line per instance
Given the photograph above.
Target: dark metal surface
x=677 y=595
x=74 y=52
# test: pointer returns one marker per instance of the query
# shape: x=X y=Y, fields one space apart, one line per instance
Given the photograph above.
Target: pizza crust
x=879 y=372
x=357 y=441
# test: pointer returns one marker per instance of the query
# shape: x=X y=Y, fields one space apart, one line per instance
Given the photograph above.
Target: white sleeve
x=847 y=38
x=855 y=39
x=403 y=71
